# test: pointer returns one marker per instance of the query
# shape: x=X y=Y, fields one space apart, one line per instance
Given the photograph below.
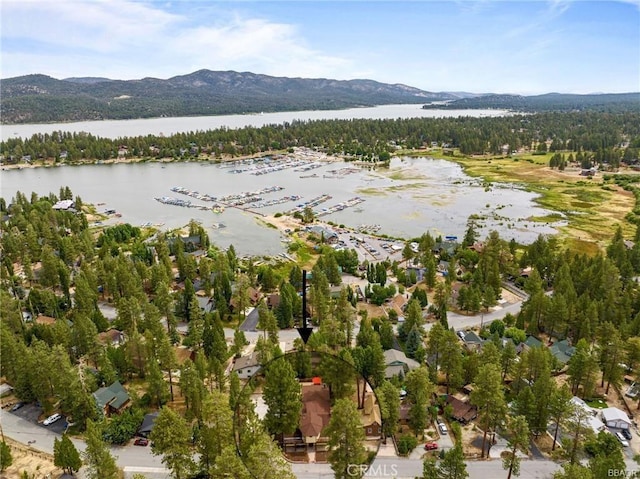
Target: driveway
x=32 y=412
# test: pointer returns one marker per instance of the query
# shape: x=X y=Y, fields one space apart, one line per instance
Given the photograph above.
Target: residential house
x=530 y=343
x=45 y=320
x=5 y=389
x=183 y=353
x=419 y=271
x=112 y=399
x=595 y=424
x=463 y=412
x=397 y=363
x=405 y=407
x=472 y=341
x=206 y=303
x=247 y=366
x=254 y=296
x=316 y=413
x=399 y=303
x=616 y=418
x=448 y=247
x=371 y=418
x=273 y=300
x=64 y=205
x=329 y=236
x=477 y=247
x=562 y=351
x=111 y=337
x=147 y=424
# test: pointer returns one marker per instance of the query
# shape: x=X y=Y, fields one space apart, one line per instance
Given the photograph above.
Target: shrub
x=406 y=444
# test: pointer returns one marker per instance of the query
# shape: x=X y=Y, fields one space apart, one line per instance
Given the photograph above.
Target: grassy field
x=592 y=208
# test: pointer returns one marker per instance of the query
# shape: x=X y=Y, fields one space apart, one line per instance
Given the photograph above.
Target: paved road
x=139 y=459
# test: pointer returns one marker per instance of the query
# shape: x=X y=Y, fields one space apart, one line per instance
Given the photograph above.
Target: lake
x=413 y=196
x=168 y=126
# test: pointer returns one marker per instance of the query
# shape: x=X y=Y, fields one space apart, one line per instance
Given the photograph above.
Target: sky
x=479 y=46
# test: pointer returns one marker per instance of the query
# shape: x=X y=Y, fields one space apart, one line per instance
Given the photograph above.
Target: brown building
x=316 y=413
x=371 y=418
x=462 y=412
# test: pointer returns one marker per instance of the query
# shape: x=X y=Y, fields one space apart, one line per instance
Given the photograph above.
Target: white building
x=616 y=418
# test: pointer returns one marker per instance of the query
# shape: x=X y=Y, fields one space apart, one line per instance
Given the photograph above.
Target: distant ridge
x=40 y=98
x=549 y=102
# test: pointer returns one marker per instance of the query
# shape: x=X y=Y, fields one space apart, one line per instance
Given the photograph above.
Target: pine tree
x=518 y=441
x=283 y=397
x=171 y=438
x=488 y=396
x=346 y=439
x=6 y=459
x=99 y=462
x=65 y=455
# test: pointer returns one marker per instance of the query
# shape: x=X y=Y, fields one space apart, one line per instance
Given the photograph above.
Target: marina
x=310 y=204
x=169 y=200
x=436 y=196
x=277 y=201
x=339 y=207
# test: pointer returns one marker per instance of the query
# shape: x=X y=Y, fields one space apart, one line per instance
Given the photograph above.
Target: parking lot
x=33 y=412
x=368 y=247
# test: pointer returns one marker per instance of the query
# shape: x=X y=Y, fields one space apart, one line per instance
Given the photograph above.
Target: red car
x=431 y=446
x=141 y=441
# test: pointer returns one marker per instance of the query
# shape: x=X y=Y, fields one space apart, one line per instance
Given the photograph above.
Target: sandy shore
x=137 y=159
x=283 y=223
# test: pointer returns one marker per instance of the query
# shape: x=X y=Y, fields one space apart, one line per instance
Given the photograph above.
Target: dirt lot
x=37 y=464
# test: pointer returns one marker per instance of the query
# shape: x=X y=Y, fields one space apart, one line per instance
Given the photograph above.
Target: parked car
x=431 y=446
x=17 y=406
x=443 y=428
x=51 y=419
x=622 y=440
x=141 y=441
x=627 y=434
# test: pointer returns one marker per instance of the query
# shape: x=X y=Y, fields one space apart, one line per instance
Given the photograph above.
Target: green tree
x=488 y=397
x=346 y=439
x=607 y=455
x=99 y=462
x=6 y=459
x=582 y=369
x=419 y=390
x=171 y=438
x=216 y=430
x=560 y=409
x=283 y=397
x=573 y=471
x=518 y=441
x=389 y=396
x=452 y=465
x=65 y=455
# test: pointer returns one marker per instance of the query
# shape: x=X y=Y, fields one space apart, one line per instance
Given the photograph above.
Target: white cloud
x=122 y=39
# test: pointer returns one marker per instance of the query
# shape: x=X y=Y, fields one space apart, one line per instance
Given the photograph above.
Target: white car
x=51 y=419
x=622 y=439
x=443 y=428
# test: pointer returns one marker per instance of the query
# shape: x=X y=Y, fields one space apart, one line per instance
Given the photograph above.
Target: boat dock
x=311 y=203
x=277 y=201
x=168 y=200
x=339 y=207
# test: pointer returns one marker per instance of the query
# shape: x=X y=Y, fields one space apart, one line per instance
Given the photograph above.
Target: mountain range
x=40 y=98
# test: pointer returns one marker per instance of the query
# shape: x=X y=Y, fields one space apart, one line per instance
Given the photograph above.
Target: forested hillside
x=549 y=102
x=39 y=98
x=604 y=137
